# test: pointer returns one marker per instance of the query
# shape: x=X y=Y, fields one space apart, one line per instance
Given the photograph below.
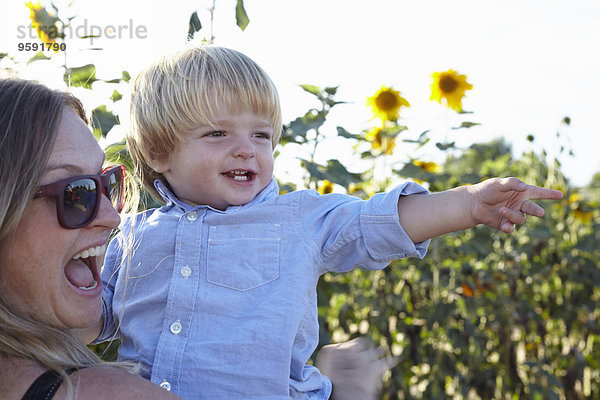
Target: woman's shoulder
x=106 y=382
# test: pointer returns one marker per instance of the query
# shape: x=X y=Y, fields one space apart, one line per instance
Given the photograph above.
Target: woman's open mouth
x=82 y=270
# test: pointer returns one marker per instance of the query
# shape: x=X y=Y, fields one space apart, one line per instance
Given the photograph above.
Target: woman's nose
x=107 y=215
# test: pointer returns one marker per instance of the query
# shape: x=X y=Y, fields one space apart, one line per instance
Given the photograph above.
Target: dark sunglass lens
x=79 y=200
x=115 y=182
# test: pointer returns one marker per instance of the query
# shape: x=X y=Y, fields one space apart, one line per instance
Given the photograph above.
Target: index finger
x=540 y=193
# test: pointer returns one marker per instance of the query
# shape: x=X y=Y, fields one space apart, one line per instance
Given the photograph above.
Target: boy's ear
x=159 y=164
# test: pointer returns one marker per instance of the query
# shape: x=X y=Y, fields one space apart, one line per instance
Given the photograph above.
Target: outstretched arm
x=501 y=203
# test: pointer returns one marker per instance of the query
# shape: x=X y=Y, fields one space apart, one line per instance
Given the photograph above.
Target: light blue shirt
x=223 y=304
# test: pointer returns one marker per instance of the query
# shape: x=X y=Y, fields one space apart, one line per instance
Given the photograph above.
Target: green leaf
x=337 y=172
x=194 y=25
x=344 y=133
x=47 y=23
x=413 y=171
x=410 y=170
x=314 y=170
x=312 y=89
x=241 y=17
x=466 y=124
x=117 y=153
x=116 y=96
x=392 y=131
x=366 y=155
x=125 y=77
x=445 y=146
x=313 y=119
x=103 y=121
x=331 y=90
x=81 y=76
x=39 y=56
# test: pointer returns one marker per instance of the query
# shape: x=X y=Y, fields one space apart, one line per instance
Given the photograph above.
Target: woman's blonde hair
x=29 y=118
x=184 y=91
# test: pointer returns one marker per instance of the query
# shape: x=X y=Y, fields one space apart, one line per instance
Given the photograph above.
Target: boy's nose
x=244 y=149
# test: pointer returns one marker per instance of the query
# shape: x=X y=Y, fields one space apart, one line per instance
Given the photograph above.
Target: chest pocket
x=243 y=257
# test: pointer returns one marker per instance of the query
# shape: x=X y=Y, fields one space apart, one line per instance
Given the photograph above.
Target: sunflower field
x=484 y=315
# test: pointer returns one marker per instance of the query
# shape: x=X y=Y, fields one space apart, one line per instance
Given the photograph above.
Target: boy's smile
x=241 y=175
x=222 y=165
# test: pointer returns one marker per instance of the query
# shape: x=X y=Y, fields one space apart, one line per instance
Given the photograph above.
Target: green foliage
x=38 y=56
x=484 y=314
x=194 y=25
x=241 y=17
x=103 y=121
x=108 y=351
x=81 y=76
x=116 y=96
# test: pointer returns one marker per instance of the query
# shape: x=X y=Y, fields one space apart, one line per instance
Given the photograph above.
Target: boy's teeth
x=91 y=252
x=240 y=175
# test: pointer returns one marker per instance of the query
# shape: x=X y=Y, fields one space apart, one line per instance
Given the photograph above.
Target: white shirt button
x=192 y=216
x=165 y=385
x=176 y=327
x=186 y=272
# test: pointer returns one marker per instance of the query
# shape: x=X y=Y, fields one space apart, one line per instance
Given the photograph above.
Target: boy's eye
x=262 y=135
x=215 y=133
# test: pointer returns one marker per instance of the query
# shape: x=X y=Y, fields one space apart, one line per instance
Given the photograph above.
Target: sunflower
x=326 y=187
x=427 y=166
x=43 y=22
x=380 y=142
x=386 y=103
x=581 y=210
x=583 y=216
x=449 y=85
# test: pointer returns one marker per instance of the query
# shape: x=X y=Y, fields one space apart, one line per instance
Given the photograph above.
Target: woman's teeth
x=91 y=252
x=94 y=285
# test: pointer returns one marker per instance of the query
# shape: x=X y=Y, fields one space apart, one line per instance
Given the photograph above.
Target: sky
x=531 y=62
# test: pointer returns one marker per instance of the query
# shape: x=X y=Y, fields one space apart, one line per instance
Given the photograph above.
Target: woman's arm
x=108 y=382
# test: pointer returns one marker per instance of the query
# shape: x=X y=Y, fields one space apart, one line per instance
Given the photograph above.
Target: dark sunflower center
x=386 y=101
x=448 y=84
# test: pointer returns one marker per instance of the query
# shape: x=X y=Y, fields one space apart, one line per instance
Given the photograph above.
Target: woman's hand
x=355 y=369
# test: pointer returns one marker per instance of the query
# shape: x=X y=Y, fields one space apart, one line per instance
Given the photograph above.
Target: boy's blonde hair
x=182 y=92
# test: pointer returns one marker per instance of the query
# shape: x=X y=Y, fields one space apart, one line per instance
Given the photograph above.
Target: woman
x=55 y=218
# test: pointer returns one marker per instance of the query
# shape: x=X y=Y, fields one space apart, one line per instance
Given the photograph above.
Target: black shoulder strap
x=45 y=386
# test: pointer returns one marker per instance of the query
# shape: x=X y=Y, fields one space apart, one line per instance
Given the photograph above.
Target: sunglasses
x=78 y=198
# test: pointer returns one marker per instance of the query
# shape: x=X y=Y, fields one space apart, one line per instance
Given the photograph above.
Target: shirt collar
x=269 y=192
